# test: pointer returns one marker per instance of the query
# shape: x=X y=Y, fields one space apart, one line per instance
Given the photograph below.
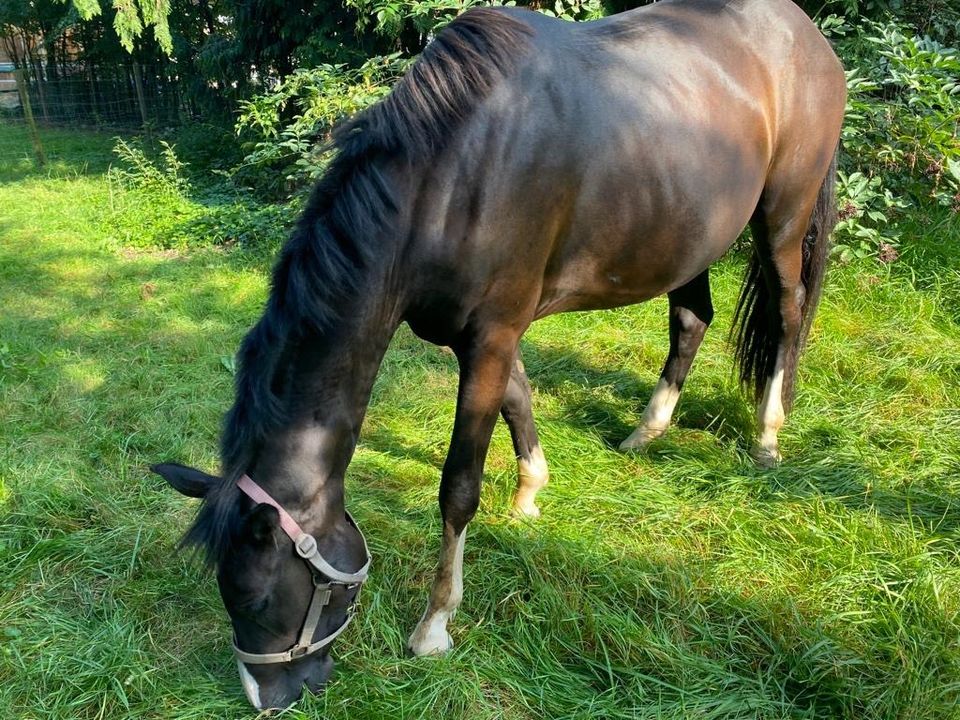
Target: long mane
x=324 y=260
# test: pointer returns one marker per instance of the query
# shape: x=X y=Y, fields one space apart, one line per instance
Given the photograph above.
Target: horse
x=523 y=166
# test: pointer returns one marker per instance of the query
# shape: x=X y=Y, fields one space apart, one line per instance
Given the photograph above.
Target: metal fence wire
x=120 y=97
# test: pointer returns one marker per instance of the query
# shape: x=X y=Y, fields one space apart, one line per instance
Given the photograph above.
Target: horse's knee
x=459 y=502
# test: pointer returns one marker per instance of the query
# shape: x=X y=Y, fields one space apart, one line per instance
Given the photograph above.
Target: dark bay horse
x=524 y=166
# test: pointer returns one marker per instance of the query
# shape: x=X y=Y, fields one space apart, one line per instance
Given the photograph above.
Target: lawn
x=683 y=582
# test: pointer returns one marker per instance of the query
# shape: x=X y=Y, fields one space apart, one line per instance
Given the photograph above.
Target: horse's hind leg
x=532 y=472
x=778 y=253
x=790 y=227
x=690 y=314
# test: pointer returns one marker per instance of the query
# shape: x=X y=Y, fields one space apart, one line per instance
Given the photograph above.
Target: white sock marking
x=656 y=416
x=430 y=637
x=532 y=475
x=770 y=417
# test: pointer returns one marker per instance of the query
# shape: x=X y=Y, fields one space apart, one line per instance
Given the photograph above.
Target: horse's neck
x=330 y=377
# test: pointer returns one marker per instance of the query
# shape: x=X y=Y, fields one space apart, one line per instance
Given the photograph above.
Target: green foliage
x=575 y=10
x=390 y=17
x=939 y=19
x=900 y=138
x=153 y=204
x=131 y=18
x=285 y=131
x=206 y=148
x=164 y=177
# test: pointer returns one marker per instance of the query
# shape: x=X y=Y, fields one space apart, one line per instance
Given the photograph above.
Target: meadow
x=683 y=582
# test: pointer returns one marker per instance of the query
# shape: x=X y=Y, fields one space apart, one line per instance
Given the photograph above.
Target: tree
x=131 y=18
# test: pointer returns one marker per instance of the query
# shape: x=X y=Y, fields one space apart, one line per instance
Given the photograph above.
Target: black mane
x=323 y=262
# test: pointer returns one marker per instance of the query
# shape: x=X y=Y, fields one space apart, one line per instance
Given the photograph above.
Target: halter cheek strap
x=305 y=544
x=306 y=547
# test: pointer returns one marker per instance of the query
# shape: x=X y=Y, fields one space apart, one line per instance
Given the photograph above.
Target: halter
x=320 y=570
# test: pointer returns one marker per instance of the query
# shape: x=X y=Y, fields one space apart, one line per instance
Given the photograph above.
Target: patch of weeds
x=155 y=205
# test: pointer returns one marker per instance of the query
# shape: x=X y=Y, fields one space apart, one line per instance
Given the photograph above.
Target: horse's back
x=625 y=155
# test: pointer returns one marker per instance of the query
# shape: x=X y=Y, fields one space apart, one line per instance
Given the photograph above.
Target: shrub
x=286 y=130
x=154 y=206
x=900 y=144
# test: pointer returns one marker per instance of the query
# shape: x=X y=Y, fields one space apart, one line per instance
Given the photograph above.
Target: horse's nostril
x=318 y=680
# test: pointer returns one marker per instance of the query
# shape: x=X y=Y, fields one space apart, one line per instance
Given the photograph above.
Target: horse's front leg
x=485 y=364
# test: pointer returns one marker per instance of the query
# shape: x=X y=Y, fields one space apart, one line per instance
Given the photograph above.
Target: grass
x=683 y=582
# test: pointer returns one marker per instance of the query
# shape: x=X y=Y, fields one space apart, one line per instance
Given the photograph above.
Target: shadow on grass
x=568 y=374
x=931 y=509
x=69 y=153
x=600 y=628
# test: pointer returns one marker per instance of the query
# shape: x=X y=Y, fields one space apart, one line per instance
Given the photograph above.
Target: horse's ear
x=186 y=480
x=262 y=522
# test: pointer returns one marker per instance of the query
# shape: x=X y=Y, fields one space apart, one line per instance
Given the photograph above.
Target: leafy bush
x=207 y=147
x=286 y=130
x=154 y=206
x=900 y=144
x=163 y=177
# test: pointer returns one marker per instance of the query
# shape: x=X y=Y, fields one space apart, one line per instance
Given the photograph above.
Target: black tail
x=756 y=324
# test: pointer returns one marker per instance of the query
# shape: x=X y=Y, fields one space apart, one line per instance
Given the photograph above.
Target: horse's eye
x=254 y=605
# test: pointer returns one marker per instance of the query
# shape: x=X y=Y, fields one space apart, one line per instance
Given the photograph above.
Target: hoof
x=528 y=511
x=430 y=646
x=766 y=457
x=640 y=438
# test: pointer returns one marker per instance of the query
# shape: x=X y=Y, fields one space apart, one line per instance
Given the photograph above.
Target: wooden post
x=38 y=74
x=93 y=96
x=138 y=81
x=21 y=78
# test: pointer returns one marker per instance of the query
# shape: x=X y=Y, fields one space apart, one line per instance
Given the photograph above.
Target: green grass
x=684 y=582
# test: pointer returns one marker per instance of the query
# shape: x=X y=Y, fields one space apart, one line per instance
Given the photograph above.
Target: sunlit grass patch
x=681 y=582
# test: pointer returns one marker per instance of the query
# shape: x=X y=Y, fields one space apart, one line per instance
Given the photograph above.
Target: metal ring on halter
x=306 y=547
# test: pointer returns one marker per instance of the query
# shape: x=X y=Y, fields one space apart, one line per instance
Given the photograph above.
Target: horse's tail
x=756 y=324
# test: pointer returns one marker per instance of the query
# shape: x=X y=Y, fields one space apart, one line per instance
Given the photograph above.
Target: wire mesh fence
x=120 y=97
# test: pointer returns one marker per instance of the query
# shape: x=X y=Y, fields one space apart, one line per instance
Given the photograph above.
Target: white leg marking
x=532 y=475
x=430 y=637
x=770 y=417
x=656 y=416
x=250 y=686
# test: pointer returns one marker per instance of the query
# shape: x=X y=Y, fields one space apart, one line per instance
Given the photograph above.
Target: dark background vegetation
x=260 y=83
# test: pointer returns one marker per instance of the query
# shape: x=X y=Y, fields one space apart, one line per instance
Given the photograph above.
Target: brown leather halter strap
x=320 y=569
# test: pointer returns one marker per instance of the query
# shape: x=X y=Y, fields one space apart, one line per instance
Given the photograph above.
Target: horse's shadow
x=590 y=398
x=570 y=375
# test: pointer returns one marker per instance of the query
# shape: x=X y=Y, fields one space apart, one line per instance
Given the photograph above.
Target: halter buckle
x=322 y=593
x=306 y=546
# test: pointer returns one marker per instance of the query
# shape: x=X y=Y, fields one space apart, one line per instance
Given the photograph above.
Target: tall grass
x=683 y=582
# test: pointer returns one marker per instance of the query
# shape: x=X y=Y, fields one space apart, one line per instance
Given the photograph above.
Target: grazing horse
x=524 y=166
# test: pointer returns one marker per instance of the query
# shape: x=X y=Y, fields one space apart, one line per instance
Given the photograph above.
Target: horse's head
x=286 y=602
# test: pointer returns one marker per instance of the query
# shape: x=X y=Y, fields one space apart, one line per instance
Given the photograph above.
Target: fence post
x=21 y=79
x=38 y=74
x=138 y=82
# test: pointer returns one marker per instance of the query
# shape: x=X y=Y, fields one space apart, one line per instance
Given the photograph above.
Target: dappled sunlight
x=83 y=376
x=680 y=577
